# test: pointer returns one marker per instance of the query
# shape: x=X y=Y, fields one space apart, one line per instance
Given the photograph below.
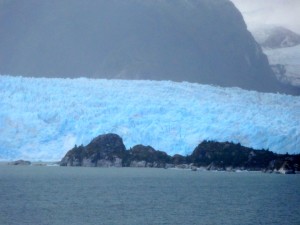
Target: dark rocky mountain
x=230 y=156
x=276 y=37
x=204 y=41
x=108 y=150
x=103 y=151
x=226 y=154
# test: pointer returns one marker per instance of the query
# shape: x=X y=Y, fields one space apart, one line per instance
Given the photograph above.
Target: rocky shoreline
x=108 y=150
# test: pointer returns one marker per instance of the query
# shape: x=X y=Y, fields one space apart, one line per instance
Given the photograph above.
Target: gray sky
x=274 y=12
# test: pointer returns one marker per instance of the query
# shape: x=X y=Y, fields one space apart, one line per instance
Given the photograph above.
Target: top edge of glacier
x=43 y=118
x=170 y=82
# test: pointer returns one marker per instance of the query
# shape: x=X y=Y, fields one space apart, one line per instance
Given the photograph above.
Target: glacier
x=43 y=118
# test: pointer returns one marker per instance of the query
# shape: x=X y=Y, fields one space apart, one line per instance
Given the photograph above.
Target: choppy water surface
x=59 y=195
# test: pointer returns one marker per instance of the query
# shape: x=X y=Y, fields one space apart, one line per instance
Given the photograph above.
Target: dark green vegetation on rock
x=104 y=150
x=226 y=155
x=108 y=150
x=203 y=41
x=146 y=156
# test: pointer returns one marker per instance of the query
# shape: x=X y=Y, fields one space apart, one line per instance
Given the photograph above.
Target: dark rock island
x=103 y=151
x=108 y=150
x=20 y=162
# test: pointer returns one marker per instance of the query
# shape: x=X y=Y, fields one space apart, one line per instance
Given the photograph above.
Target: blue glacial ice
x=41 y=119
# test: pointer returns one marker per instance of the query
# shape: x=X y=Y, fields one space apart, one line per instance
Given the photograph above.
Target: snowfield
x=41 y=119
x=290 y=59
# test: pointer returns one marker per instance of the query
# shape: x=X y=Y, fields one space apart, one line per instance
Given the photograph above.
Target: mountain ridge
x=193 y=40
x=275 y=37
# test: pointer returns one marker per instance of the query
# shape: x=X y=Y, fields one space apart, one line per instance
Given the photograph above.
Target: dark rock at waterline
x=103 y=151
x=108 y=150
x=285 y=164
x=20 y=163
x=228 y=154
x=287 y=168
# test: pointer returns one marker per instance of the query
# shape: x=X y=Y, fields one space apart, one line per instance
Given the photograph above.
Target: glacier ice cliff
x=42 y=118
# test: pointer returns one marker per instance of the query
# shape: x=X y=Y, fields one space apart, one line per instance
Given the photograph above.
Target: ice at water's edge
x=40 y=119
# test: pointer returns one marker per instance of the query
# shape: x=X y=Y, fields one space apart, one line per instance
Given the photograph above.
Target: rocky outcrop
x=20 y=163
x=200 y=41
x=285 y=164
x=104 y=151
x=287 y=168
x=179 y=159
x=146 y=156
x=108 y=150
x=228 y=156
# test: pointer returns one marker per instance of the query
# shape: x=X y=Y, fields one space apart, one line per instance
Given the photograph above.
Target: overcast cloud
x=274 y=12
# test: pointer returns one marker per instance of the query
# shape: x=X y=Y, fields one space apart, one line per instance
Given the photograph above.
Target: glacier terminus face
x=43 y=118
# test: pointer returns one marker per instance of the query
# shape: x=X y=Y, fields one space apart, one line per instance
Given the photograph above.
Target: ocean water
x=78 y=196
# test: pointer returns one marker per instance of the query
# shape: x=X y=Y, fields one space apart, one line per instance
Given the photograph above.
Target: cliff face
x=203 y=41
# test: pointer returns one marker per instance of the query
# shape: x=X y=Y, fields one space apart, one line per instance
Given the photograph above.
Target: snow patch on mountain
x=275 y=36
x=41 y=119
x=289 y=59
x=282 y=46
